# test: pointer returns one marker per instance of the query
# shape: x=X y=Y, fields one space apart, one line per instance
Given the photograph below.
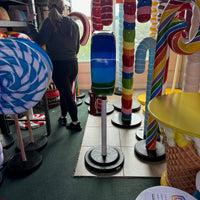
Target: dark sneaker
x=74 y=127
x=63 y=121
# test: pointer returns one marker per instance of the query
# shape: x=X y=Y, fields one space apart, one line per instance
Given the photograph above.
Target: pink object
x=106 y=12
x=129 y=18
x=128 y=69
x=86 y=26
x=144 y=14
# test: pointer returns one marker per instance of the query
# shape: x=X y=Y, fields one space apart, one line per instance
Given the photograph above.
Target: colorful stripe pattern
x=103 y=63
x=128 y=59
x=171 y=30
x=148 y=43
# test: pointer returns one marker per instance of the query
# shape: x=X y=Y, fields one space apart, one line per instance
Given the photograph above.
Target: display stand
x=6 y=137
x=135 y=105
x=37 y=141
x=23 y=163
x=93 y=108
x=1 y=178
x=33 y=142
x=104 y=160
x=80 y=95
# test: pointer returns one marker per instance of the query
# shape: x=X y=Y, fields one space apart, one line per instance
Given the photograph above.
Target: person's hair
x=55 y=11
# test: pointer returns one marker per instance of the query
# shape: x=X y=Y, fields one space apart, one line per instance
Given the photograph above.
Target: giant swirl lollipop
x=24 y=76
x=25 y=73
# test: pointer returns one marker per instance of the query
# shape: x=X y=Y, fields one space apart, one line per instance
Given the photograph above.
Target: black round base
x=78 y=101
x=81 y=95
x=6 y=140
x=109 y=109
x=135 y=121
x=153 y=156
x=19 y=167
x=118 y=92
x=40 y=141
x=135 y=105
x=87 y=101
x=97 y=164
x=140 y=134
x=1 y=178
x=7 y=155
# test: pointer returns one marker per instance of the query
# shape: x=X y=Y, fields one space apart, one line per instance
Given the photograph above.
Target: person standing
x=61 y=36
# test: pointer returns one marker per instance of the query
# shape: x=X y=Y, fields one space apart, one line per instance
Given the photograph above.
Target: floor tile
x=124 y=139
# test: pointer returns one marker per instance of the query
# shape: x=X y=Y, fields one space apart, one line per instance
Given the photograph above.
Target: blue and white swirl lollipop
x=24 y=75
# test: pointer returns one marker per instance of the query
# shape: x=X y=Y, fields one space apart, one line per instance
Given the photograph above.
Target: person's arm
x=42 y=36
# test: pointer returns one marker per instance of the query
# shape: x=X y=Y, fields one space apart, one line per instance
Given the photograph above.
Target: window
x=142 y=31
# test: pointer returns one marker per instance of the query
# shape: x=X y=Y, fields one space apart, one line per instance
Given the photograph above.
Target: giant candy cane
x=86 y=26
x=146 y=44
x=128 y=59
x=170 y=31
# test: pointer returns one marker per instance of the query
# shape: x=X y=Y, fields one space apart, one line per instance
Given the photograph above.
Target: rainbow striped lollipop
x=24 y=75
x=128 y=59
x=170 y=31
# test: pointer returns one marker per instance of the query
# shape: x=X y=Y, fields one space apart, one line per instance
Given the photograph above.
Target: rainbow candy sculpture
x=171 y=32
x=103 y=63
x=25 y=73
x=128 y=59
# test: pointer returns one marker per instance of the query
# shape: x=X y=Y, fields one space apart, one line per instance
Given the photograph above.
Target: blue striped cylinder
x=103 y=63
